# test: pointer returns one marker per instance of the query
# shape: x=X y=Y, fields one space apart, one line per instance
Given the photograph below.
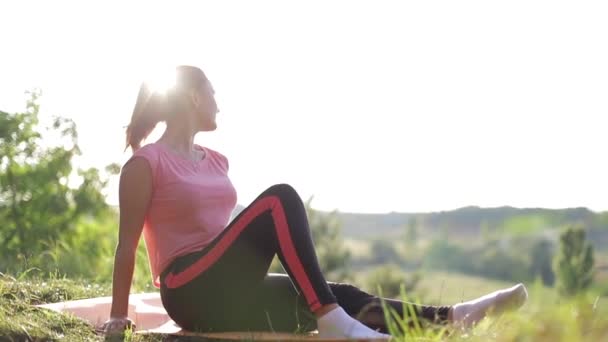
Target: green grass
x=546 y=316
x=21 y=321
x=450 y=288
x=443 y=288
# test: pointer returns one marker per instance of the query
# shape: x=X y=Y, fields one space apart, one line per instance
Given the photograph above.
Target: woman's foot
x=469 y=313
x=338 y=324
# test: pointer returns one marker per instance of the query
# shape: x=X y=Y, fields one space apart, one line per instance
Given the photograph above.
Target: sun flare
x=160 y=82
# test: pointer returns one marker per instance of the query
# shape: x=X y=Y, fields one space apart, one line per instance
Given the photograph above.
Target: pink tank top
x=191 y=203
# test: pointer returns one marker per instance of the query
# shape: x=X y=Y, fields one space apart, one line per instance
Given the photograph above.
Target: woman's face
x=205 y=108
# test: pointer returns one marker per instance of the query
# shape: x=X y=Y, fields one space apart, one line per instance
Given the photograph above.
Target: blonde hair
x=152 y=107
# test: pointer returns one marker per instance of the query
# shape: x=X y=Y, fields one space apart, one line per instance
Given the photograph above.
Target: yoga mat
x=149 y=315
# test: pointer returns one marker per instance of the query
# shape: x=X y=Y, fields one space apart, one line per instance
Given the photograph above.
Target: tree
x=383 y=252
x=334 y=257
x=411 y=234
x=37 y=205
x=541 y=259
x=574 y=262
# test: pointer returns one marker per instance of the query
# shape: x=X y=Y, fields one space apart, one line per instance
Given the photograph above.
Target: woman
x=212 y=273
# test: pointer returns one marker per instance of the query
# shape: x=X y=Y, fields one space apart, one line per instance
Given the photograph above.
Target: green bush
x=388 y=279
x=574 y=262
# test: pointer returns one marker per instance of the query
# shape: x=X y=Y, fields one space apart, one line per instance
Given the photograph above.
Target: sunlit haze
x=370 y=106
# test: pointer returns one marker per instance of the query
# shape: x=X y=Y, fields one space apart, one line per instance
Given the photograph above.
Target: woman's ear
x=195 y=99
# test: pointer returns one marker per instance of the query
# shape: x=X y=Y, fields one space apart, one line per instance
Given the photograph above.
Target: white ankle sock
x=338 y=324
x=471 y=312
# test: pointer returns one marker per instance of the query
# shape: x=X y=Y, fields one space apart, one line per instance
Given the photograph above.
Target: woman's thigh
x=270 y=305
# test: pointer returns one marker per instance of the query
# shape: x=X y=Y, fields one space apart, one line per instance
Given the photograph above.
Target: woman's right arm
x=135 y=191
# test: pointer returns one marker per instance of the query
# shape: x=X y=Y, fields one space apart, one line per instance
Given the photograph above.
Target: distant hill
x=471 y=221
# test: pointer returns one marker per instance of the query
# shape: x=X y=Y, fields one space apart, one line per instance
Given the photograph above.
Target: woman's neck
x=178 y=140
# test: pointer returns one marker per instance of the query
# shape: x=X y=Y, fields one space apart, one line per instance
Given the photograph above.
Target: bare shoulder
x=136 y=172
x=136 y=165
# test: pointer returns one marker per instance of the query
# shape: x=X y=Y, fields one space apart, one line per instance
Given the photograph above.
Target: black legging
x=225 y=286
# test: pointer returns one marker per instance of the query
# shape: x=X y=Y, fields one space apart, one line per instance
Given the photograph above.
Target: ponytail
x=149 y=110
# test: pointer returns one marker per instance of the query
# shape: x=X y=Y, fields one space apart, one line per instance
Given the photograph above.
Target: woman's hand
x=117 y=325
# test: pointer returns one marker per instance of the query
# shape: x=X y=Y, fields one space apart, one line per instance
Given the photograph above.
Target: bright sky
x=370 y=106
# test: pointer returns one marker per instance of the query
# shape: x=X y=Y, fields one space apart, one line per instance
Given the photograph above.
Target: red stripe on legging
x=285 y=243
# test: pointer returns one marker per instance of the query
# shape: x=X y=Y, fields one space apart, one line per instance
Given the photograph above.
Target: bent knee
x=281 y=189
